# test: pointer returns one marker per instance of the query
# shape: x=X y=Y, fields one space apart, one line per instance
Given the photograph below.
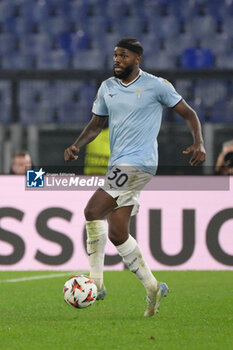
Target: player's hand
x=71 y=153
x=199 y=154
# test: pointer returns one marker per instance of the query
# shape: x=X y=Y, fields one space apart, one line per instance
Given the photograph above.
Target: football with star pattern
x=80 y=291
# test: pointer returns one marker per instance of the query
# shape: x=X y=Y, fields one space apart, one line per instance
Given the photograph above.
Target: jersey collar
x=137 y=77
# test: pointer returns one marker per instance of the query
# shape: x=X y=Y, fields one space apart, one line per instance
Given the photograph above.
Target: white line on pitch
x=40 y=277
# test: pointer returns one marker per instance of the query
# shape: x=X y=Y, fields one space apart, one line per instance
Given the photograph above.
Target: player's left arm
x=197 y=148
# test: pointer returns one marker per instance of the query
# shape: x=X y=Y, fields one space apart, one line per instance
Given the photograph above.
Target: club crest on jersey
x=139 y=92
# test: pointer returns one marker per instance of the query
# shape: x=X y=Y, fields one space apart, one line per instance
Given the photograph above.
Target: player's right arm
x=91 y=131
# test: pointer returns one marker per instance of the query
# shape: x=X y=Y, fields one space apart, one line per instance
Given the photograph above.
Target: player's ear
x=138 y=59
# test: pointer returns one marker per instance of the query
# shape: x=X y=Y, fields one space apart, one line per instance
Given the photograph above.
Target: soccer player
x=132 y=101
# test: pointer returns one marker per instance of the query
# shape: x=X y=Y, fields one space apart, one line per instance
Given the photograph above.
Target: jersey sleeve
x=99 y=106
x=167 y=95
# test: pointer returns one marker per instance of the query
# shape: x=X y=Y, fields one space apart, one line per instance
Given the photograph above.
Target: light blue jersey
x=135 y=113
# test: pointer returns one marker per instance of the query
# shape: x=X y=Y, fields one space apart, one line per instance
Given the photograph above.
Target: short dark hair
x=21 y=153
x=131 y=44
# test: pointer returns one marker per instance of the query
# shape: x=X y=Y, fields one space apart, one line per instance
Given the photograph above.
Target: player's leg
x=97 y=208
x=130 y=252
x=99 y=205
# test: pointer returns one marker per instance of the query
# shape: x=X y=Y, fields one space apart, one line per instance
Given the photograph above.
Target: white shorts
x=124 y=182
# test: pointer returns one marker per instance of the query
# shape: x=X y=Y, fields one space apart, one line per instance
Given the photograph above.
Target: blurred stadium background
x=53 y=56
x=55 y=53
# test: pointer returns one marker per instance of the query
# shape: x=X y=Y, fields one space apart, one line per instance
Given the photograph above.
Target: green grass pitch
x=196 y=315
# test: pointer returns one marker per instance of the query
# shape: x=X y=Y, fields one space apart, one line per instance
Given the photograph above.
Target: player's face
x=125 y=62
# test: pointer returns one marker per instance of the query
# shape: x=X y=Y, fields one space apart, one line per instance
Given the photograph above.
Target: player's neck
x=132 y=76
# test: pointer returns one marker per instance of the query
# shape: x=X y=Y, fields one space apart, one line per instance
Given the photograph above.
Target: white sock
x=96 y=242
x=132 y=257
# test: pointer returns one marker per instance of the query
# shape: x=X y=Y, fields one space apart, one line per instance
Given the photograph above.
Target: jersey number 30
x=119 y=177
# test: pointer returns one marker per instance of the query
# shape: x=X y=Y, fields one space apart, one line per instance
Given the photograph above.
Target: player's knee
x=90 y=214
